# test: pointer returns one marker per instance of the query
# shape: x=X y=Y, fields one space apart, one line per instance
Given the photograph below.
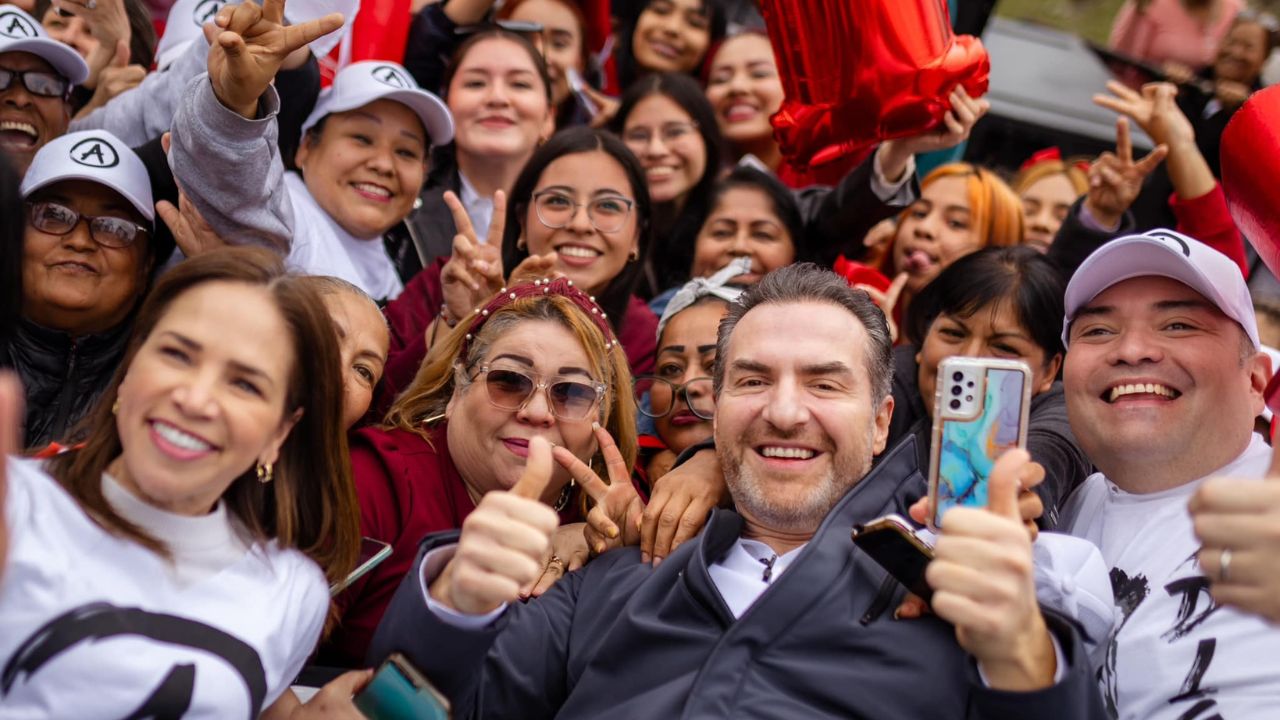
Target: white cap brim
x=1141 y=256
x=62 y=57
x=433 y=113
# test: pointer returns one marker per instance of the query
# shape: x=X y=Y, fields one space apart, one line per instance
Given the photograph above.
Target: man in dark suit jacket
x=771 y=612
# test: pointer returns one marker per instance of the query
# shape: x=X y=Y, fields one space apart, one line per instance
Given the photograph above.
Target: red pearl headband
x=558 y=286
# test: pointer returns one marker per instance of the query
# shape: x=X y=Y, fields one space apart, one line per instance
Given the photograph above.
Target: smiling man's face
x=28 y=121
x=796 y=422
x=1155 y=373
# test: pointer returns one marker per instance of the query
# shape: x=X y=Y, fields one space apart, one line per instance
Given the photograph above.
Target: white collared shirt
x=479 y=208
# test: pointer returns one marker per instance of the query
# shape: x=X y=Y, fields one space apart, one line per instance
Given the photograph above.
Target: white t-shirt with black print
x=1175 y=654
x=95 y=626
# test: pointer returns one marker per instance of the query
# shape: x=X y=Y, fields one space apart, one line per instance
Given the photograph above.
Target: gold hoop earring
x=520 y=243
x=266 y=473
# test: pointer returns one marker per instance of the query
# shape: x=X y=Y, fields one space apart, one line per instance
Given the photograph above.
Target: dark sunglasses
x=511 y=390
x=37 y=82
x=57 y=219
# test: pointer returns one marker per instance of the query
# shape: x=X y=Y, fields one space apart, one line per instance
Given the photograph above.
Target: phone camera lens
x=955 y=390
x=955 y=404
x=969 y=398
x=970 y=383
x=958 y=376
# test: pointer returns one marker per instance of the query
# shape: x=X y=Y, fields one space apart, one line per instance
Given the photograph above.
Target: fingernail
x=644 y=558
x=595 y=425
x=657 y=561
x=613 y=532
x=599 y=548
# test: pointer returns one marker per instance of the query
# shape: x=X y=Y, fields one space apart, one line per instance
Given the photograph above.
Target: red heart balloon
x=857 y=72
x=1250 y=153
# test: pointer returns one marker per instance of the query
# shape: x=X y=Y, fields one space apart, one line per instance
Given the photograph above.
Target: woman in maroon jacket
x=538 y=359
x=579 y=209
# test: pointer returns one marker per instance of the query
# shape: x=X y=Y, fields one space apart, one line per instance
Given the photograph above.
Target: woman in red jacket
x=538 y=359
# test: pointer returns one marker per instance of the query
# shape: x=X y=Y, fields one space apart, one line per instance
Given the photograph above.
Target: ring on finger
x=1224 y=565
x=557 y=563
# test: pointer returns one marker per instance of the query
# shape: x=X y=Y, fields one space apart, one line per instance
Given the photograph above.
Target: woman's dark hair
x=627 y=15
x=444 y=158
x=142 y=32
x=1032 y=285
x=311 y=504
x=676 y=224
x=11 y=245
x=617 y=294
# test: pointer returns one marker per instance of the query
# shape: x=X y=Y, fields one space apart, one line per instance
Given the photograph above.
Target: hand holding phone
x=892 y=542
x=980 y=410
x=399 y=692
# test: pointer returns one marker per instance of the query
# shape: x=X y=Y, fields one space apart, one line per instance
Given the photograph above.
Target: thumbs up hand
x=1238 y=524
x=504 y=544
x=983 y=582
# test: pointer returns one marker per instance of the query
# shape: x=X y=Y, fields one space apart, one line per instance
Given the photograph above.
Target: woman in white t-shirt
x=177 y=564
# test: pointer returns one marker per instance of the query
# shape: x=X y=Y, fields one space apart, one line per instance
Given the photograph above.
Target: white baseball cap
x=19 y=32
x=1164 y=253
x=359 y=84
x=96 y=156
x=186 y=21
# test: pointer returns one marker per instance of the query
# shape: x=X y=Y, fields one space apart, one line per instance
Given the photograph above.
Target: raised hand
x=1115 y=179
x=108 y=22
x=1238 y=524
x=504 y=543
x=247 y=45
x=10 y=434
x=1154 y=109
x=888 y=300
x=190 y=230
x=983 y=583
x=615 y=519
x=679 y=504
x=957 y=123
x=117 y=77
x=474 y=270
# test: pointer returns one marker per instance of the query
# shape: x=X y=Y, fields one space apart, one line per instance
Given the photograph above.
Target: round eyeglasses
x=58 y=219
x=511 y=390
x=698 y=394
x=556 y=210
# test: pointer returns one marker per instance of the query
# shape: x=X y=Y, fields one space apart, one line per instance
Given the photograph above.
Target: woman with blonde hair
x=962 y=208
x=538 y=360
x=1048 y=186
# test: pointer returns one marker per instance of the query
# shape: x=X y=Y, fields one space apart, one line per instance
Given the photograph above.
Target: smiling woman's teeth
x=18 y=127
x=573 y=251
x=183 y=440
x=788 y=453
x=1140 y=389
x=372 y=189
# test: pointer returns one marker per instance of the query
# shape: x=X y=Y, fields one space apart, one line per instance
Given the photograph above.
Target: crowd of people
x=549 y=316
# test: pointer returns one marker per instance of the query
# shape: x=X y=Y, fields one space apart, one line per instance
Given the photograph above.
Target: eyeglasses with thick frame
x=58 y=219
x=37 y=82
x=556 y=210
x=511 y=390
x=648 y=384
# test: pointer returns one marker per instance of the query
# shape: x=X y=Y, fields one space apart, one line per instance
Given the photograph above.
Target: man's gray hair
x=806 y=282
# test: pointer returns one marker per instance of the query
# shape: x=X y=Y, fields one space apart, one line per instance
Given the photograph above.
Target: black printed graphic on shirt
x=171 y=698
x=1129 y=594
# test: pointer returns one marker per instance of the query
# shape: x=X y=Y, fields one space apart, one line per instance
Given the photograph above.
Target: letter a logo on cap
x=389 y=75
x=206 y=10
x=1170 y=238
x=95 y=153
x=16 y=26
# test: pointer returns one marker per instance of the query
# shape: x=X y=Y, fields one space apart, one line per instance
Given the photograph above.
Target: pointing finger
x=295 y=36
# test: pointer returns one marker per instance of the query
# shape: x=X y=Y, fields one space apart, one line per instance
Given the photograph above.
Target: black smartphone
x=892 y=542
x=399 y=692
x=372 y=552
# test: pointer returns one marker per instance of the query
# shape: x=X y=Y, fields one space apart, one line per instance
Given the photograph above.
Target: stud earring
x=266 y=473
x=115 y=407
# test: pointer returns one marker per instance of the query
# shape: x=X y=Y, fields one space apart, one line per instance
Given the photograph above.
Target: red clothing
x=407 y=488
x=1163 y=32
x=1208 y=220
x=412 y=312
